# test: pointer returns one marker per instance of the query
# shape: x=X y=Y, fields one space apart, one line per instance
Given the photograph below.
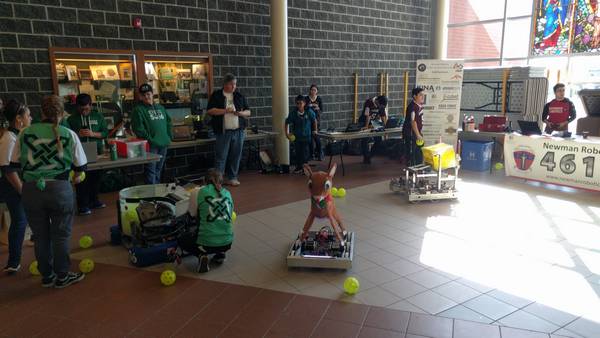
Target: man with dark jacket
x=229 y=111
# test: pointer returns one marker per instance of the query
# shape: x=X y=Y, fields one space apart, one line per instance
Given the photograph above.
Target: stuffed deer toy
x=321 y=202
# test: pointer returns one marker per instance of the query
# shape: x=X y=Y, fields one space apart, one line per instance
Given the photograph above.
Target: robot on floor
x=434 y=180
x=330 y=247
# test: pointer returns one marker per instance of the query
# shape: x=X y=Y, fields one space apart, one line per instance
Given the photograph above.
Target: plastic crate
x=448 y=157
x=476 y=155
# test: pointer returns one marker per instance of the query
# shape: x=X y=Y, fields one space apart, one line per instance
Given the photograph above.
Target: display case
x=108 y=76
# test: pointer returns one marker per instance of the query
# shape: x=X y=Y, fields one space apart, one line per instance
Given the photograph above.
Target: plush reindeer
x=321 y=202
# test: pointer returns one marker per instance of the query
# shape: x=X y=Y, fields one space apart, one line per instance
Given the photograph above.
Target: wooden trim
x=355 y=117
x=405 y=91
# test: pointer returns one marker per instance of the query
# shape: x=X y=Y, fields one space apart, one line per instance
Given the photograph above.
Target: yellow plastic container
x=448 y=156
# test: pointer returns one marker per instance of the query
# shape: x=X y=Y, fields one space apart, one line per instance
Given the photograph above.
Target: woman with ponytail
x=47 y=152
x=213 y=207
x=15 y=116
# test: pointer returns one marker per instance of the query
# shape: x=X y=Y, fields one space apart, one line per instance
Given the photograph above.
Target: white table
x=104 y=162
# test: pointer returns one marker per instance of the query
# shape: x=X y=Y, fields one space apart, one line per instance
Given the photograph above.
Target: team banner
x=553 y=160
x=442 y=84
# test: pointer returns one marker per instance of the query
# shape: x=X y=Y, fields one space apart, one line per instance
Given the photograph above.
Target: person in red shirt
x=559 y=112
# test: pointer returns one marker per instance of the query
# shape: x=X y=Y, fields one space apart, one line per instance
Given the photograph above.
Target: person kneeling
x=212 y=205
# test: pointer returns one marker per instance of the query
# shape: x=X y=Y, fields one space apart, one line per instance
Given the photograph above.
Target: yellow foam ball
x=334 y=192
x=341 y=192
x=351 y=285
x=168 y=277
x=420 y=143
x=233 y=216
x=499 y=166
x=292 y=138
x=86 y=241
x=86 y=265
x=33 y=268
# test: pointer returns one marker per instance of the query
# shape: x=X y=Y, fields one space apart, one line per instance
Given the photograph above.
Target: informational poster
x=569 y=162
x=442 y=84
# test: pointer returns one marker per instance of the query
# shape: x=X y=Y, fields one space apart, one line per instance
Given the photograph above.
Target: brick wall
x=328 y=41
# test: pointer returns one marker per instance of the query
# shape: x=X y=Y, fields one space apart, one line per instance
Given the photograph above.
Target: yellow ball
x=499 y=166
x=341 y=192
x=292 y=138
x=168 y=277
x=420 y=142
x=351 y=285
x=72 y=176
x=33 y=268
x=233 y=216
x=86 y=241
x=86 y=265
x=334 y=192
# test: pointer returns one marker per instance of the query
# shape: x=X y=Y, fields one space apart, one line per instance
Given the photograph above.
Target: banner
x=573 y=163
x=442 y=84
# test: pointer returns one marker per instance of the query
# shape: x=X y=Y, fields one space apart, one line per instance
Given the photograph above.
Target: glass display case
x=109 y=77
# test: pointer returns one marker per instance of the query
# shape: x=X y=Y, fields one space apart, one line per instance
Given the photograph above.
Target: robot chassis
x=423 y=183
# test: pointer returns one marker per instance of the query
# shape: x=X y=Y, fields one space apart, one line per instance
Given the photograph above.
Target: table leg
x=492 y=156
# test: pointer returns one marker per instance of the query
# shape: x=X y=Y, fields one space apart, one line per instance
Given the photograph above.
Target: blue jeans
x=153 y=170
x=18 y=222
x=50 y=214
x=228 y=148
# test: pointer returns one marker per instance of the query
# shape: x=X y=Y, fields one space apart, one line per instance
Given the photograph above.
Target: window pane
x=552 y=22
x=518 y=7
x=586 y=37
x=475 y=10
x=516 y=38
x=482 y=64
x=475 y=41
x=518 y=62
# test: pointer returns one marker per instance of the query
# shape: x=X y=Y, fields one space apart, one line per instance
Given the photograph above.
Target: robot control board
x=322 y=250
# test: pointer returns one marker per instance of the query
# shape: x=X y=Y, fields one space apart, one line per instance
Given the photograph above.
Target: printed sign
x=442 y=84
x=574 y=163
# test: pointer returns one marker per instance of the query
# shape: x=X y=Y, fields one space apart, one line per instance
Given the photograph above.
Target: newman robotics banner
x=442 y=84
x=574 y=163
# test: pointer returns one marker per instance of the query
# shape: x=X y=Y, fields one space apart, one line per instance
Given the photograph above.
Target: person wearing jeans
x=17 y=116
x=151 y=122
x=47 y=193
x=229 y=111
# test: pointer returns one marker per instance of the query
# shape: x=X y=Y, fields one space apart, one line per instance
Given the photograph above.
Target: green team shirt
x=37 y=153
x=214 y=217
x=152 y=123
x=94 y=121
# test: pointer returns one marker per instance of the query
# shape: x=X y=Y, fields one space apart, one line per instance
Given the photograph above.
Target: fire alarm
x=137 y=23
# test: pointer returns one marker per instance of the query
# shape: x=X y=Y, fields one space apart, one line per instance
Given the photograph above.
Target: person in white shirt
x=229 y=111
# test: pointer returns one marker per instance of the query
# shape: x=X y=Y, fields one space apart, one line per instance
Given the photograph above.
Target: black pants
x=188 y=242
x=412 y=152
x=302 y=152
x=316 y=149
x=364 y=145
x=87 y=191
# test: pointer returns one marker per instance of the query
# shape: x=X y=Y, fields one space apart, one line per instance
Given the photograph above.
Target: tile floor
x=521 y=255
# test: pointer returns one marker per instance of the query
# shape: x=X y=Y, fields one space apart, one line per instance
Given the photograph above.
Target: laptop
x=392 y=122
x=91 y=151
x=529 y=128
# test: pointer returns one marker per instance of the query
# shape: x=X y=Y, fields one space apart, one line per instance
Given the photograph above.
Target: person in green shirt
x=212 y=205
x=90 y=126
x=151 y=122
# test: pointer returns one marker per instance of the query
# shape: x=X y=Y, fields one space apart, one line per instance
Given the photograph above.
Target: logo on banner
x=524 y=158
x=422 y=67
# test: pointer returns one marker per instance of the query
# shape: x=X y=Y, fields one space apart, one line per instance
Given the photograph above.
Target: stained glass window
x=552 y=27
x=586 y=37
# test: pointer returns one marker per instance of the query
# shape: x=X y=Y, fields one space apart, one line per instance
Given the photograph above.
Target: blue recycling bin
x=476 y=155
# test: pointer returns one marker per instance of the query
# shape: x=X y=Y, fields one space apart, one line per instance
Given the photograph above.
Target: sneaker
x=85 y=211
x=12 y=269
x=298 y=170
x=219 y=258
x=70 y=278
x=203 y=264
x=234 y=182
x=98 y=205
x=48 y=282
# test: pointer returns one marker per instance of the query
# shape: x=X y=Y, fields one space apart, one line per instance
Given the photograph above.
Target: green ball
x=499 y=166
x=168 y=277
x=334 y=192
x=341 y=192
x=351 y=285
x=86 y=265
x=33 y=268
x=420 y=143
x=233 y=216
x=292 y=138
x=86 y=241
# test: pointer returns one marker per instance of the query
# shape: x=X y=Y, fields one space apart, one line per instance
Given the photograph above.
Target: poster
x=442 y=84
x=198 y=71
x=72 y=74
x=107 y=73
x=126 y=71
x=574 y=163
